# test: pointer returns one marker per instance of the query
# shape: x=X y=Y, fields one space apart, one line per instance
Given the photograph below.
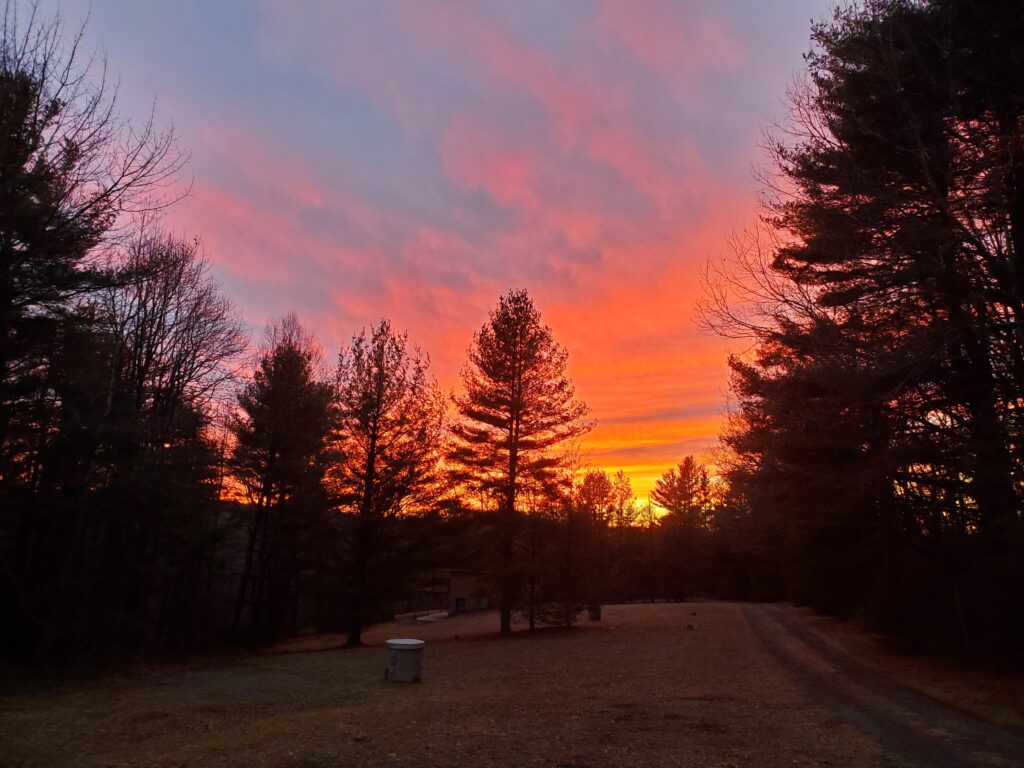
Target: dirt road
x=911 y=728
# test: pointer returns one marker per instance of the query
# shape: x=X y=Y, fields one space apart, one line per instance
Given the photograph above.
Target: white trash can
x=405 y=660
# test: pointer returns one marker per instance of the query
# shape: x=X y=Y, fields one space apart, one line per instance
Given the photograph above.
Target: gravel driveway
x=911 y=728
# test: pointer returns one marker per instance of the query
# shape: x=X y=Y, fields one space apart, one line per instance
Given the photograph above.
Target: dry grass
x=636 y=689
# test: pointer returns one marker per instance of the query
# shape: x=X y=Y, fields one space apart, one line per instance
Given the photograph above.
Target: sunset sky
x=415 y=160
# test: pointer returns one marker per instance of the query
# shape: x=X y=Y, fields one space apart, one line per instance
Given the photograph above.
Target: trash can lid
x=405 y=643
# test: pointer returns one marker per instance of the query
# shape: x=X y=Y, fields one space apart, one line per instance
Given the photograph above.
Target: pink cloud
x=473 y=159
x=654 y=34
x=603 y=220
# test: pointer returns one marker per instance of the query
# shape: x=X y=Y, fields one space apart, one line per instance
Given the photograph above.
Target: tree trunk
x=506 y=578
x=247 y=567
x=533 y=573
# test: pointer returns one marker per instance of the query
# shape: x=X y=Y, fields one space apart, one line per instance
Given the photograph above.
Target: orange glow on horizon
x=440 y=158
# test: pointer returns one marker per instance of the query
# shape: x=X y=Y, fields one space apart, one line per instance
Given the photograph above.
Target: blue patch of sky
x=550 y=28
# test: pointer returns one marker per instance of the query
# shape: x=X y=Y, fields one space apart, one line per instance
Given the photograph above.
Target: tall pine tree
x=517 y=407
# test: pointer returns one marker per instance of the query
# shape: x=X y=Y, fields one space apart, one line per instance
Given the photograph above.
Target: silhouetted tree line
x=160 y=492
x=877 y=461
x=162 y=489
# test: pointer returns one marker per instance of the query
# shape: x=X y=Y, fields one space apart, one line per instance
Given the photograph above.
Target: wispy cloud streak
x=415 y=160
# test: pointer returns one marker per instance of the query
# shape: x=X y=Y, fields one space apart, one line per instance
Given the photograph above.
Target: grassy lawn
x=637 y=688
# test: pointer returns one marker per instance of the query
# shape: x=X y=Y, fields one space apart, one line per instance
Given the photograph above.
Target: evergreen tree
x=517 y=406
x=685 y=492
x=879 y=425
x=279 y=461
x=70 y=167
x=71 y=172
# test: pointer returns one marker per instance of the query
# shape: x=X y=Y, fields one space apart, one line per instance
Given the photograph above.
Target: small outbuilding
x=455 y=590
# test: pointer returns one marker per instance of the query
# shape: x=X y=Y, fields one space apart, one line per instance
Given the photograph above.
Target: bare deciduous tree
x=72 y=172
x=387 y=440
